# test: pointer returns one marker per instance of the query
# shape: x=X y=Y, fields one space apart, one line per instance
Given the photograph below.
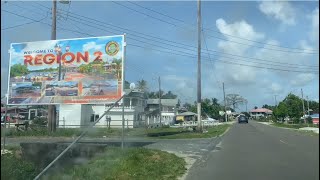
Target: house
x=168 y=111
x=185 y=116
x=77 y=115
x=315 y=118
x=260 y=112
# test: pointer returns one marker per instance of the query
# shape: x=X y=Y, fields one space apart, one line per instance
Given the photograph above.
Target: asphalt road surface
x=256 y=151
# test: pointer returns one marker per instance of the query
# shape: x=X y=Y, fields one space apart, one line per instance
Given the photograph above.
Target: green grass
x=176 y=133
x=294 y=126
x=13 y=167
x=132 y=163
x=308 y=133
x=163 y=133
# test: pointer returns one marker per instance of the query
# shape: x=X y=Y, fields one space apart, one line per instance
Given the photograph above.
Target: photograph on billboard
x=68 y=71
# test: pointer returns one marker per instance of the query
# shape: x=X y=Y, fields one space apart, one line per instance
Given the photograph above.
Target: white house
x=75 y=116
x=168 y=111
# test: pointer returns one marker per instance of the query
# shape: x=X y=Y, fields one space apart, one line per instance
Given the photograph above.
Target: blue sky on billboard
x=295 y=27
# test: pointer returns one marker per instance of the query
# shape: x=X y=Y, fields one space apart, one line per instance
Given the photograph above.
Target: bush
x=309 y=120
x=41 y=121
x=13 y=167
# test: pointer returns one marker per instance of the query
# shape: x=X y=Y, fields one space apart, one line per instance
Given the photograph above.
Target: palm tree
x=117 y=65
x=142 y=85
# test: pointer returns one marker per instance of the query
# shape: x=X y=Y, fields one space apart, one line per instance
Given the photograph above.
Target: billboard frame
x=96 y=100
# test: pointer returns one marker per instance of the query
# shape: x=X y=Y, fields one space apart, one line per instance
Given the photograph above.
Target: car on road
x=242 y=119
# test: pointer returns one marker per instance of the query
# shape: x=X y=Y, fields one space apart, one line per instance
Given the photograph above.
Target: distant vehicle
x=242 y=119
x=24 y=89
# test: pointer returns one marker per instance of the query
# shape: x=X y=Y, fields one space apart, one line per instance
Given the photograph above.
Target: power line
x=286 y=64
x=155 y=11
x=104 y=23
x=23 y=24
x=142 y=13
x=300 y=49
x=192 y=55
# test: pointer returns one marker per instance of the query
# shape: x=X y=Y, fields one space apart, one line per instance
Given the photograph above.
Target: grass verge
x=14 y=167
x=132 y=163
x=293 y=126
x=163 y=133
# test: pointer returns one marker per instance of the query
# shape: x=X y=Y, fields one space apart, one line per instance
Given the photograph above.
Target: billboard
x=68 y=71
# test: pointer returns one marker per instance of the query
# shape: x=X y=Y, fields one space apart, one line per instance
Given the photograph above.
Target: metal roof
x=187 y=114
x=164 y=102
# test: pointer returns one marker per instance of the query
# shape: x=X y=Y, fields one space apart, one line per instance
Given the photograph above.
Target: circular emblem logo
x=112 y=48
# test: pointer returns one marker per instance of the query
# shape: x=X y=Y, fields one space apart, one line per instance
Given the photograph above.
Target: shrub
x=40 y=121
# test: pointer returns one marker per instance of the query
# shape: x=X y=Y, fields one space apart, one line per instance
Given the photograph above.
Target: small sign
x=228 y=112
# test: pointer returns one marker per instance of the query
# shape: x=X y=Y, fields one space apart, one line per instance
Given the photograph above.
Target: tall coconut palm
x=142 y=85
x=117 y=65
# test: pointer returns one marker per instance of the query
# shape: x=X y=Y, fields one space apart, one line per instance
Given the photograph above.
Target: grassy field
x=133 y=163
x=169 y=133
x=114 y=163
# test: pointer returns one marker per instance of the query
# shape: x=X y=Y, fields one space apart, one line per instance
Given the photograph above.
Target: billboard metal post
x=122 y=133
x=5 y=124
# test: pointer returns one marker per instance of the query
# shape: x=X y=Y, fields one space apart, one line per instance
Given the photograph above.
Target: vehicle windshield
x=164 y=90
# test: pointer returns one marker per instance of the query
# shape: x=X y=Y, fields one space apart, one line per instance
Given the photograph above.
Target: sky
x=251 y=47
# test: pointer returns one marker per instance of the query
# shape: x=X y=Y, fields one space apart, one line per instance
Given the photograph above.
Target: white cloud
x=302 y=79
x=275 y=88
x=92 y=46
x=236 y=74
x=314 y=17
x=280 y=10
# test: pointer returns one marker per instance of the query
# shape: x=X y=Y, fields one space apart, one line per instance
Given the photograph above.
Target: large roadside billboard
x=68 y=71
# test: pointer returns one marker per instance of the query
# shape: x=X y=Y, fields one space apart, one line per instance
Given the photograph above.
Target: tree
x=18 y=70
x=142 y=85
x=117 y=65
x=291 y=106
x=234 y=100
x=255 y=107
x=169 y=95
x=126 y=85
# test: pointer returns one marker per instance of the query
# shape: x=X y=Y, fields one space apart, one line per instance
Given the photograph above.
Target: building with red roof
x=260 y=112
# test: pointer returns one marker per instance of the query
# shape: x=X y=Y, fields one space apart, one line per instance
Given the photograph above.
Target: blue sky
x=295 y=26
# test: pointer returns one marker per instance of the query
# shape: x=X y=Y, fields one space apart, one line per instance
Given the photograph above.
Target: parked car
x=242 y=119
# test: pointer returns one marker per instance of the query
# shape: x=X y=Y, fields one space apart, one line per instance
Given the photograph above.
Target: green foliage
x=40 y=121
x=126 y=85
x=18 y=70
x=132 y=163
x=13 y=167
x=291 y=106
x=309 y=120
x=142 y=85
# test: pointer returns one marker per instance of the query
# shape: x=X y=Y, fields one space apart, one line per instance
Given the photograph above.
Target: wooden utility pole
x=52 y=108
x=199 y=67
x=225 y=104
x=160 y=101
x=308 y=106
x=304 y=111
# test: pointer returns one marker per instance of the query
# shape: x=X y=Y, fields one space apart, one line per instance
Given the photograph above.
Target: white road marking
x=284 y=142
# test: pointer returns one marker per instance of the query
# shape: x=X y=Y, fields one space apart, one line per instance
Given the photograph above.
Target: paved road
x=260 y=152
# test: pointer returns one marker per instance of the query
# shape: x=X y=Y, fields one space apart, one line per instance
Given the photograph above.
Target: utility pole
x=160 y=101
x=224 y=100
x=52 y=108
x=275 y=100
x=199 y=67
x=308 y=106
x=304 y=111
